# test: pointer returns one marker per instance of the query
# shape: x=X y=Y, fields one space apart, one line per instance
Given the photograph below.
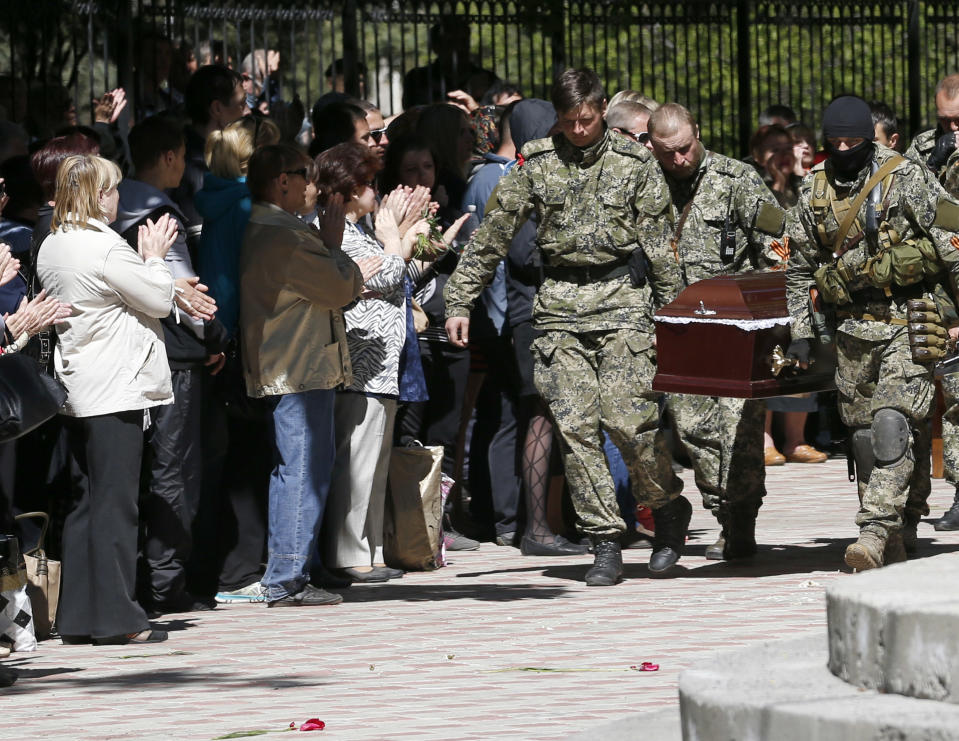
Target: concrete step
x=783 y=691
x=658 y=725
x=896 y=629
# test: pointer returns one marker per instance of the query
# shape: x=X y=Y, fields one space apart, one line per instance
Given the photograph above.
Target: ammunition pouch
x=945 y=305
x=924 y=317
x=929 y=330
x=928 y=336
x=905 y=263
x=923 y=355
x=832 y=287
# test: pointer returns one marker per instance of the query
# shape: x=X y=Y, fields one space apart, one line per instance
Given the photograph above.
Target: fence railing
x=726 y=59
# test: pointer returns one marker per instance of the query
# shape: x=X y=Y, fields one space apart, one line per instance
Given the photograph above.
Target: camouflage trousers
x=950 y=427
x=595 y=381
x=724 y=439
x=880 y=374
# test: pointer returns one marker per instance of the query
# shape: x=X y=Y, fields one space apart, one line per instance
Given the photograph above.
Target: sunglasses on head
x=641 y=136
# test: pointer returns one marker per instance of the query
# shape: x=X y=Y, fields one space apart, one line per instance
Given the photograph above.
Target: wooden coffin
x=718 y=338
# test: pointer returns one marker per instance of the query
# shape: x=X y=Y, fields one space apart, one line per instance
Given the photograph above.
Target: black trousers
x=494 y=473
x=98 y=584
x=229 y=531
x=169 y=503
x=437 y=421
x=34 y=475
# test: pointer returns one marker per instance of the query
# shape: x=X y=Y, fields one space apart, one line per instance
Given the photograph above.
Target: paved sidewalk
x=494 y=646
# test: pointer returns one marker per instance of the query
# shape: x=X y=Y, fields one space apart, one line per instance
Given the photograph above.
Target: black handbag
x=28 y=396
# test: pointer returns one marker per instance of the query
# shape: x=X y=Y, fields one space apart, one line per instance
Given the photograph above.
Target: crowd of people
x=250 y=309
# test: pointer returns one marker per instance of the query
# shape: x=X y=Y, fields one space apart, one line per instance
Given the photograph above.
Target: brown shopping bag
x=413 y=520
x=43 y=581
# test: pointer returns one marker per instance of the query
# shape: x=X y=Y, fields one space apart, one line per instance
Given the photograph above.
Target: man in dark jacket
x=214 y=99
x=193 y=339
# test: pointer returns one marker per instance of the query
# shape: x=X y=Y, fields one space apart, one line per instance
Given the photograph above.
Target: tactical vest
x=857 y=263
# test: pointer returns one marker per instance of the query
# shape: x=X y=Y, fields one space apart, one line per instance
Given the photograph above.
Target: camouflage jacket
x=915 y=205
x=919 y=150
x=921 y=146
x=726 y=187
x=593 y=206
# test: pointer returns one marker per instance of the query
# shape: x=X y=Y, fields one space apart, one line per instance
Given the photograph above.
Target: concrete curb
x=658 y=725
x=896 y=629
x=783 y=690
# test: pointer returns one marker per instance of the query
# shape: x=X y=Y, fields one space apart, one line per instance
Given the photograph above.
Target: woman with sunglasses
x=376 y=333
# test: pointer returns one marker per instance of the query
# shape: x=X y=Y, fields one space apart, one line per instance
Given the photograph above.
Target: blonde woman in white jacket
x=112 y=360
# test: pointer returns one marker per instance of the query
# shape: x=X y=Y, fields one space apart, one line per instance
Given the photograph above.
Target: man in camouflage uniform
x=872 y=233
x=725 y=220
x=597 y=198
x=937 y=150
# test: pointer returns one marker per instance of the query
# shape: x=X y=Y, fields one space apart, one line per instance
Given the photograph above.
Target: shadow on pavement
x=172 y=625
x=826 y=554
x=32 y=680
x=399 y=592
x=23 y=670
x=822 y=554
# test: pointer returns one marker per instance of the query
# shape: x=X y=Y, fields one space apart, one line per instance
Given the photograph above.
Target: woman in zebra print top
x=376 y=332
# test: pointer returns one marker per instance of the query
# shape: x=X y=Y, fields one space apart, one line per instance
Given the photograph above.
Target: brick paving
x=494 y=646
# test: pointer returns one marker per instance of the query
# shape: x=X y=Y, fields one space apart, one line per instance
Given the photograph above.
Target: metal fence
x=726 y=60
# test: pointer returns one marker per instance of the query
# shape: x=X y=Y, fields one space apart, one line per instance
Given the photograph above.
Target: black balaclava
x=849 y=116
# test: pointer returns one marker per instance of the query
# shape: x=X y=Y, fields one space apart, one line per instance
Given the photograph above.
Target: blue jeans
x=624 y=488
x=304 y=450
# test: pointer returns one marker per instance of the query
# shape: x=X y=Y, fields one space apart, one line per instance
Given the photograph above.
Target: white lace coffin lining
x=748 y=325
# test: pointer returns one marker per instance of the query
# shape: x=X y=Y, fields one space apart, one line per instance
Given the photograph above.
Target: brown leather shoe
x=806 y=454
x=774 y=457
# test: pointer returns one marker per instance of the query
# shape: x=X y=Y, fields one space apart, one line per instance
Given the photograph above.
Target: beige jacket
x=110 y=353
x=292 y=288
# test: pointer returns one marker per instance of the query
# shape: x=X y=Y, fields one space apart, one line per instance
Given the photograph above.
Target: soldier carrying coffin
x=873 y=238
x=936 y=149
x=724 y=221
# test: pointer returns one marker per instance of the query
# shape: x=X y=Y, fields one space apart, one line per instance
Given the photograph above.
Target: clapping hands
x=191 y=296
x=156 y=239
x=408 y=206
x=9 y=265
x=33 y=316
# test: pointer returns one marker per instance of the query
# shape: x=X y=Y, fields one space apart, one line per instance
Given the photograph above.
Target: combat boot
x=895 y=551
x=866 y=553
x=672 y=521
x=950 y=520
x=607 y=568
x=717 y=551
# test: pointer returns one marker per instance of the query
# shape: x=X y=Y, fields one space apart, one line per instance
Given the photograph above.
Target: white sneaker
x=251 y=593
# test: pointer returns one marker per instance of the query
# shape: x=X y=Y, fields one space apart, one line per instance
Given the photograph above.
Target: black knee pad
x=891 y=438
